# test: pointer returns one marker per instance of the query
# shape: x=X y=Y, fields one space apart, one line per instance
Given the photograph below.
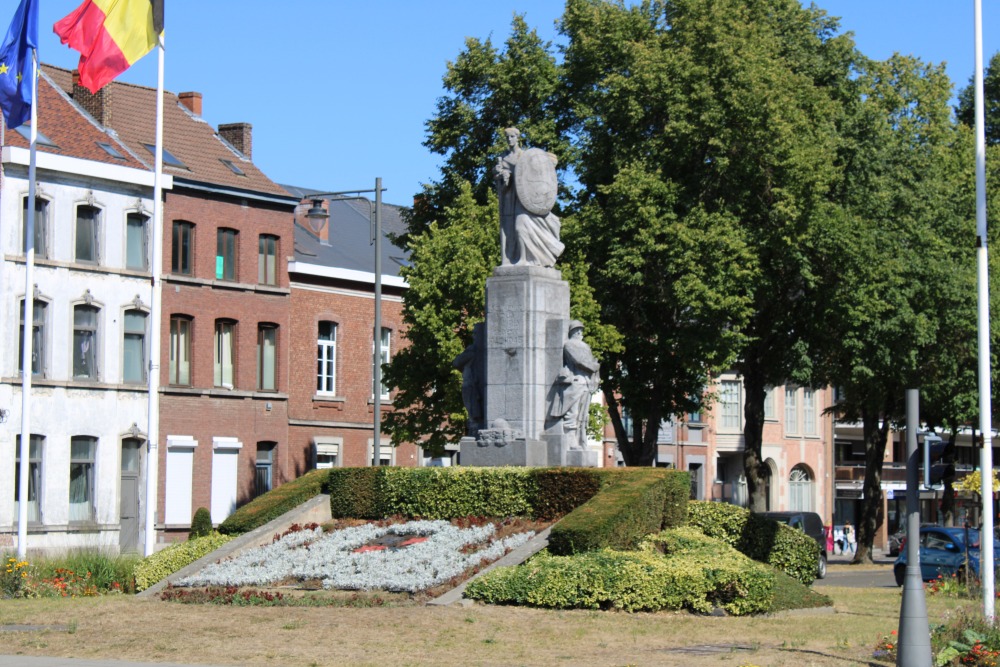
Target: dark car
x=943 y=552
x=810 y=524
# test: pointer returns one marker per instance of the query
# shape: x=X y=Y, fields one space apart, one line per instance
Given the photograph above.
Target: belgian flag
x=110 y=35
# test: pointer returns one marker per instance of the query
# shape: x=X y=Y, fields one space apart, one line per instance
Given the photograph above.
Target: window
x=232 y=167
x=81 y=478
x=729 y=400
x=769 y=411
x=225 y=332
x=169 y=158
x=791 y=410
x=37 y=338
x=182 y=250
x=267 y=341
x=85 y=342
x=110 y=150
x=41 y=225
x=265 y=464
x=326 y=358
x=694 y=417
x=267 y=253
x=800 y=489
x=137 y=242
x=383 y=360
x=35 y=443
x=225 y=254
x=180 y=351
x=694 y=470
x=88 y=223
x=808 y=411
x=327 y=451
x=41 y=139
x=134 y=358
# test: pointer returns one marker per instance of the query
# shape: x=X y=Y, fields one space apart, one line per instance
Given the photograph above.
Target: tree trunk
x=876 y=431
x=640 y=448
x=753 y=440
x=948 y=497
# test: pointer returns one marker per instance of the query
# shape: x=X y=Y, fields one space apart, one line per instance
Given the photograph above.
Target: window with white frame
x=134 y=358
x=83 y=451
x=85 y=318
x=808 y=411
x=729 y=403
x=180 y=350
x=384 y=356
x=791 y=410
x=35 y=445
x=769 y=410
x=225 y=353
x=267 y=361
x=88 y=228
x=327 y=451
x=267 y=259
x=326 y=358
x=41 y=227
x=137 y=242
x=38 y=346
x=800 y=489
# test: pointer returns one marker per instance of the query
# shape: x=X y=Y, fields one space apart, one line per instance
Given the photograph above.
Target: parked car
x=944 y=551
x=810 y=524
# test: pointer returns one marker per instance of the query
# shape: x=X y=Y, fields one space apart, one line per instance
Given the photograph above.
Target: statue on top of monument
x=577 y=381
x=526 y=186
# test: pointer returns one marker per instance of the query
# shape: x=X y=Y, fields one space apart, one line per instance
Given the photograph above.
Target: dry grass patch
x=126 y=628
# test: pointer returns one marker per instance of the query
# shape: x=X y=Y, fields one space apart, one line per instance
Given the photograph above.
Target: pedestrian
x=838 y=540
x=850 y=541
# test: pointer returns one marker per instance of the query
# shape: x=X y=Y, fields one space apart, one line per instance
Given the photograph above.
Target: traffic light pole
x=914 y=649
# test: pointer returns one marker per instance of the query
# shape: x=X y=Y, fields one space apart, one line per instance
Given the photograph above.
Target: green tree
x=888 y=268
x=966 y=109
x=722 y=117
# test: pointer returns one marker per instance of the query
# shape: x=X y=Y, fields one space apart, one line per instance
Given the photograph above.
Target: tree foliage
x=966 y=109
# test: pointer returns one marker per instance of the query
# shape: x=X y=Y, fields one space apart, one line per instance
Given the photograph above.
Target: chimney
x=240 y=135
x=192 y=101
x=96 y=104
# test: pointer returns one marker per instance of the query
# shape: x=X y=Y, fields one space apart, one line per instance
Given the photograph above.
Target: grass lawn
x=126 y=628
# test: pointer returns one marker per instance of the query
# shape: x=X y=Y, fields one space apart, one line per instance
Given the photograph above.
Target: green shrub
x=632 y=581
x=354 y=493
x=274 y=503
x=633 y=503
x=201 y=524
x=561 y=490
x=163 y=563
x=762 y=539
x=442 y=493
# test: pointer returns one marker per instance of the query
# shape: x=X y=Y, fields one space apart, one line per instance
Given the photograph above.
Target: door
x=128 y=536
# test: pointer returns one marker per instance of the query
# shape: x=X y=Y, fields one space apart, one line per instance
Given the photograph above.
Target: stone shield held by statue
x=536 y=182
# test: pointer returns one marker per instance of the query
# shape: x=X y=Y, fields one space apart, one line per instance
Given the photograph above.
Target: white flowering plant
x=410 y=557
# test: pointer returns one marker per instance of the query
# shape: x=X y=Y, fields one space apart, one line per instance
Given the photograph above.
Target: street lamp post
x=319 y=215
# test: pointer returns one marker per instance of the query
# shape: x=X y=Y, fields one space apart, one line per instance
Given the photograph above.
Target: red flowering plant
x=885 y=648
x=64 y=583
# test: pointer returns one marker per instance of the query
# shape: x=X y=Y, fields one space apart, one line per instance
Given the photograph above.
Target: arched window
x=800 y=489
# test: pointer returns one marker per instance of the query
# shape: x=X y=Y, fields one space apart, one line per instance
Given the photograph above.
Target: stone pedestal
x=520 y=452
x=527 y=312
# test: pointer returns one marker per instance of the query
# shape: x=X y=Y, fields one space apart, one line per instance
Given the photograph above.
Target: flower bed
x=340 y=560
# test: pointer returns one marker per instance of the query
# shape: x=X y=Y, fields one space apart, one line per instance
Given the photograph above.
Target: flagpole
x=152 y=434
x=29 y=321
x=985 y=426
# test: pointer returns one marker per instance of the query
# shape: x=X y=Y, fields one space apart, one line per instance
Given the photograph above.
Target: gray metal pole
x=377 y=348
x=914 y=648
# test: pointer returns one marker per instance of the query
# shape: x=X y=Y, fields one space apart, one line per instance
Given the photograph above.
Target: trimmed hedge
x=645 y=580
x=163 y=563
x=444 y=493
x=789 y=550
x=274 y=503
x=633 y=503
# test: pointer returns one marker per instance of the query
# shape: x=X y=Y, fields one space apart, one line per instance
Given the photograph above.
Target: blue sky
x=338 y=91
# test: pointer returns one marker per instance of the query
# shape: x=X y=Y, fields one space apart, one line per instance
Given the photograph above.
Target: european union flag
x=15 y=64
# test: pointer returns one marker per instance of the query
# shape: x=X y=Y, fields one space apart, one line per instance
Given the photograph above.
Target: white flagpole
x=152 y=433
x=29 y=317
x=985 y=426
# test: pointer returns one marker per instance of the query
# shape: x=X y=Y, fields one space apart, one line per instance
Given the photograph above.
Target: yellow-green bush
x=760 y=538
x=644 y=580
x=163 y=563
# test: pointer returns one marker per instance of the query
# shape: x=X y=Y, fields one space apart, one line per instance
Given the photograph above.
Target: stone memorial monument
x=528 y=376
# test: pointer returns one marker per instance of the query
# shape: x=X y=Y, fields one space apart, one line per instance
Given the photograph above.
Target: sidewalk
x=878 y=555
